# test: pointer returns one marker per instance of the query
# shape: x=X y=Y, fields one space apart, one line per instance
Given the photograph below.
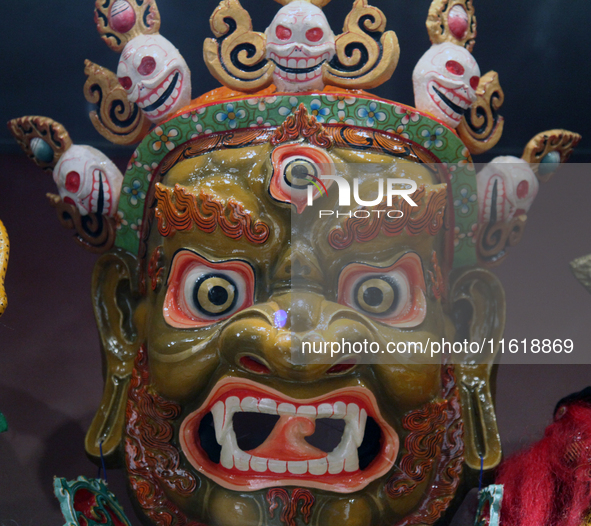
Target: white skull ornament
x=507 y=186
x=445 y=82
x=88 y=179
x=299 y=42
x=155 y=76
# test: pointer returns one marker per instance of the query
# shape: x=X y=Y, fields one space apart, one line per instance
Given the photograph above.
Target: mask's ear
x=115 y=299
x=477 y=301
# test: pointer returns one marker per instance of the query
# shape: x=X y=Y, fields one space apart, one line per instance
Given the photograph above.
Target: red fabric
x=550 y=483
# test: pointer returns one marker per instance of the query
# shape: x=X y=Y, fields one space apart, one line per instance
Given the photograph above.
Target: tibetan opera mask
x=264 y=220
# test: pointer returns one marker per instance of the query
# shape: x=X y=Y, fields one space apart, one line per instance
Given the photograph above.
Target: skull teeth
x=344 y=458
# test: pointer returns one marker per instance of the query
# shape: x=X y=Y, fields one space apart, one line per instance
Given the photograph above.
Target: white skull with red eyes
x=445 y=82
x=507 y=187
x=299 y=42
x=155 y=76
x=88 y=179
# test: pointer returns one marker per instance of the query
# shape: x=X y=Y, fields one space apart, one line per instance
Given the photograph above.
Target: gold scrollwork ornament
x=119 y=21
x=482 y=126
x=236 y=56
x=452 y=21
x=116 y=118
x=366 y=54
x=547 y=150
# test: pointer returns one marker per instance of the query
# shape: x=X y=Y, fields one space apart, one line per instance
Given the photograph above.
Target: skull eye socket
x=147 y=66
x=72 y=182
x=474 y=81
x=125 y=82
x=455 y=68
x=283 y=33
x=315 y=35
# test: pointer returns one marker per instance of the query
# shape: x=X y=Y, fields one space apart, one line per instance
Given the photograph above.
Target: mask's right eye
x=201 y=292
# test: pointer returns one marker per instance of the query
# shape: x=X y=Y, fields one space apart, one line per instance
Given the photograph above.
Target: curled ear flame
x=4 y=248
x=119 y=21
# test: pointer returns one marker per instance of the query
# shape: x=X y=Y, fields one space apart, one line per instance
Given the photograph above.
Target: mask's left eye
x=201 y=292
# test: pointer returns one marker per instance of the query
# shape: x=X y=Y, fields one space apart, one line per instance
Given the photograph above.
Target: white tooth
x=218 y=411
x=153 y=98
x=311 y=75
x=362 y=424
x=324 y=411
x=283 y=62
x=335 y=466
x=307 y=410
x=340 y=410
x=241 y=460
x=354 y=421
x=258 y=464
x=302 y=63
x=286 y=409
x=160 y=92
x=302 y=76
x=292 y=63
x=345 y=453
x=291 y=76
x=266 y=405
x=232 y=406
x=318 y=466
x=311 y=62
x=166 y=83
x=175 y=93
x=226 y=456
x=298 y=467
x=278 y=466
x=249 y=405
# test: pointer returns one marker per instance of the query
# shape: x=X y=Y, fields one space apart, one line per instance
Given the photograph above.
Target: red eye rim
x=474 y=82
x=175 y=310
x=455 y=68
x=283 y=33
x=315 y=34
x=72 y=182
x=412 y=267
x=126 y=83
x=147 y=66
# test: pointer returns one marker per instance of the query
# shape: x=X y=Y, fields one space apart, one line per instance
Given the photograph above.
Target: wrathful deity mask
x=232 y=248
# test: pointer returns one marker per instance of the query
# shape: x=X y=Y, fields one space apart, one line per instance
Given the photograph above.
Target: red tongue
x=287 y=441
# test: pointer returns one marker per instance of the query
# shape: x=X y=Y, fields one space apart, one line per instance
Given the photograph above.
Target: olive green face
x=246 y=281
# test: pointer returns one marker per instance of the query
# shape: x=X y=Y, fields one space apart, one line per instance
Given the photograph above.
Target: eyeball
x=201 y=292
x=393 y=295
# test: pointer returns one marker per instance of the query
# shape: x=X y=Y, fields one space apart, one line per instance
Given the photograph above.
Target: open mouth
x=163 y=97
x=451 y=102
x=100 y=196
x=247 y=436
x=299 y=69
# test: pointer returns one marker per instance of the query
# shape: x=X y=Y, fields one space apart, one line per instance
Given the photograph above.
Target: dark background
x=50 y=378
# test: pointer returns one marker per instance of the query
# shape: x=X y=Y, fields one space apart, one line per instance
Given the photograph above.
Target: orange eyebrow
x=428 y=217
x=179 y=210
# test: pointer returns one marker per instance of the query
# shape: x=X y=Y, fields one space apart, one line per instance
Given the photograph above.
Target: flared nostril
x=254 y=365
x=341 y=368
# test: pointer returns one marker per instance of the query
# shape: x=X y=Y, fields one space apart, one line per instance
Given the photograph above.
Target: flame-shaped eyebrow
x=428 y=217
x=179 y=210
